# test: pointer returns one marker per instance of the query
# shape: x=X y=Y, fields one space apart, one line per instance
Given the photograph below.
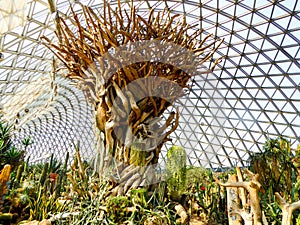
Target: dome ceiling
x=253 y=94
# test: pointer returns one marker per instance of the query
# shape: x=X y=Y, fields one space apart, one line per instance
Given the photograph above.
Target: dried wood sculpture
x=250 y=212
x=233 y=203
x=287 y=209
x=125 y=116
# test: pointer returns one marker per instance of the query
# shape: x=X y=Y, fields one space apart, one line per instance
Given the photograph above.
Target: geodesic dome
x=252 y=94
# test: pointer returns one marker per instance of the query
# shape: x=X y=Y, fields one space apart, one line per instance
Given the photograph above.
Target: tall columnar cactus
x=176 y=172
x=4 y=178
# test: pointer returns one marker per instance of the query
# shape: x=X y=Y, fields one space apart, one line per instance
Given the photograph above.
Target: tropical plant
x=83 y=211
x=13 y=156
x=277 y=169
x=5 y=130
x=26 y=142
x=117 y=208
x=42 y=204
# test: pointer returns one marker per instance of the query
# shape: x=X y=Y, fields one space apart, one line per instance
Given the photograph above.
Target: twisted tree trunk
x=132 y=69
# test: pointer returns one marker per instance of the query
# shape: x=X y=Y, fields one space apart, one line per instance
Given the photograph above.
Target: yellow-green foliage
x=116 y=208
x=137 y=154
x=197 y=176
x=176 y=172
x=139 y=196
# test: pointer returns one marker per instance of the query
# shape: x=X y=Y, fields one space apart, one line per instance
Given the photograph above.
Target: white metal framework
x=252 y=94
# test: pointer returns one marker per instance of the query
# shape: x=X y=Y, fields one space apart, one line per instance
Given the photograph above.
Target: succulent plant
x=116 y=208
x=176 y=172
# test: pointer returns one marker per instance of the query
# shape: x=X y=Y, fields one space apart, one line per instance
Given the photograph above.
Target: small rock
x=45 y=222
x=34 y=222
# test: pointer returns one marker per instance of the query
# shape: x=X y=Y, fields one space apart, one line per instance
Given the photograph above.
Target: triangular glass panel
x=283 y=22
x=294 y=24
x=256 y=72
x=267 y=45
x=271 y=130
x=249 y=3
x=268 y=84
x=271 y=54
x=261 y=4
x=246 y=18
x=286 y=82
x=266 y=11
x=294 y=68
x=258 y=20
x=239 y=25
x=257 y=43
x=255 y=128
x=262 y=59
x=278 y=12
x=246 y=62
x=263 y=26
x=249 y=49
x=288 y=40
x=261 y=102
x=291 y=118
x=246 y=94
x=293 y=51
x=296 y=98
x=276 y=79
x=275 y=70
x=245 y=70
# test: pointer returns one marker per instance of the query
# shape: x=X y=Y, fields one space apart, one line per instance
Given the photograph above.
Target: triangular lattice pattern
x=252 y=94
x=12 y=14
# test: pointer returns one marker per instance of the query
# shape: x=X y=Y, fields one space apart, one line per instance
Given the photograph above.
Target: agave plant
x=13 y=156
x=26 y=142
x=9 y=154
x=5 y=132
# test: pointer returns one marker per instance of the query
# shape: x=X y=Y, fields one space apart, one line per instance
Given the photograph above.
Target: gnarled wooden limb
x=252 y=187
x=233 y=203
x=287 y=209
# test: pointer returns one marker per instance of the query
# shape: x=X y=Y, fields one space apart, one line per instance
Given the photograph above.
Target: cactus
x=61 y=178
x=4 y=178
x=19 y=173
x=44 y=174
x=176 y=172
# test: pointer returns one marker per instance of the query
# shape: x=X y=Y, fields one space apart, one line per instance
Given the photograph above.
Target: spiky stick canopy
x=88 y=52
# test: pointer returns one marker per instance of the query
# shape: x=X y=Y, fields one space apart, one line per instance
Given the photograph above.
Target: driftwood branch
x=287 y=209
x=235 y=214
x=252 y=187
